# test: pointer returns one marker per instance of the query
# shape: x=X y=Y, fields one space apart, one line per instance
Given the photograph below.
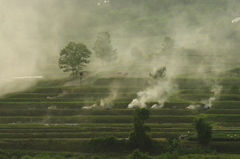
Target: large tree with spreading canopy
x=74 y=57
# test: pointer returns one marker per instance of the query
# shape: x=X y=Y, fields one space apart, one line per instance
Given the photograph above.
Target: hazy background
x=34 y=31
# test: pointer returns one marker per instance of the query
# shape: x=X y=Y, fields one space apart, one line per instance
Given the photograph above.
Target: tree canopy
x=103 y=48
x=74 y=57
x=159 y=74
x=204 y=130
x=139 y=137
x=168 y=44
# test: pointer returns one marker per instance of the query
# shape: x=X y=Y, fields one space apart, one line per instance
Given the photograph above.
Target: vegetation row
x=73 y=112
x=94 y=119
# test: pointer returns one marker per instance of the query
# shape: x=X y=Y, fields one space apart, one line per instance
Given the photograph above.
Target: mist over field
x=75 y=75
x=34 y=32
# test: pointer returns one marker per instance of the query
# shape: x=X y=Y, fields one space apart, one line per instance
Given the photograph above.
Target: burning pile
x=98 y=106
x=159 y=92
x=207 y=104
x=105 y=103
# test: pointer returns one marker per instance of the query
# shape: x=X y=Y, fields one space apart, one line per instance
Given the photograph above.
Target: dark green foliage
x=171 y=145
x=3 y=157
x=103 y=144
x=139 y=137
x=197 y=150
x=173 y=149
x=103 y=48
x=26 y=157
x=235 y=89
x=68 y=155
x=74 y=58
x=169 y=155
x=137 y=154
x=104 y=141
x=236 y=71
x=159 y=74
x=168 y=44
x=204 y=130
x=97 y=157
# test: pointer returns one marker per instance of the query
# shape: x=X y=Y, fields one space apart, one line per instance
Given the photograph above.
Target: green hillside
x=179 y=59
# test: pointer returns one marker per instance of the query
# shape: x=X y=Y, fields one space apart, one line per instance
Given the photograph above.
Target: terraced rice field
x=55 y=113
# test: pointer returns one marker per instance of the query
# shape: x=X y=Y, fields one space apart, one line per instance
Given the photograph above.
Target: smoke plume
x=159 y=92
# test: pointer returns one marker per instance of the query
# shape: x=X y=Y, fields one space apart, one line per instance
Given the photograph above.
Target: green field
x=55 y=114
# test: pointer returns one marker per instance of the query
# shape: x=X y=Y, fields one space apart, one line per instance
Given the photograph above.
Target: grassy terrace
x=55 y=113
x=71 y=112
x=79 y=105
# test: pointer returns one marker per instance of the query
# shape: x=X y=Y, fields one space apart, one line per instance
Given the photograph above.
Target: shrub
x=137 y=154
x=103 y=144
x=81 y=156
x=3 y=157
x=58 y=157
x=3 y=154
x=26 y=157
x=204 y=130
x=172 y=145
x=139 y=138
x=68 y=155
x=169 y=155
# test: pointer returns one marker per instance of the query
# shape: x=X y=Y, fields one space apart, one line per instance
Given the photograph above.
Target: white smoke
x=193 y=106
x=157 y=106
x=216 y=89
x=207 y=104
x=236 y=20
x=160 y=92
x=102 y=105
x=106 y=102
x=94 y=106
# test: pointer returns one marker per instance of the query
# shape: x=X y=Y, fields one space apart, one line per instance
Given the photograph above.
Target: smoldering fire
x=159 y=92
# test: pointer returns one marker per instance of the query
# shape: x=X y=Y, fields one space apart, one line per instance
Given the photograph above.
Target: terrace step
x=74 y=112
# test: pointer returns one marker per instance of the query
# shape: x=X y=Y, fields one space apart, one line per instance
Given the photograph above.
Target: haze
x=34 y=31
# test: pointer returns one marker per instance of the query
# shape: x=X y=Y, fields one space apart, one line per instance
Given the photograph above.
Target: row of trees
x=140 y=138
x=75 y=56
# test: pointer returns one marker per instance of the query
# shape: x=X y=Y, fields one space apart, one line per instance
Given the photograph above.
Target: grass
x=199 y=97
x=226 y=105
x=74 y=112
x=26 y=122
x=222 y=117
x=223 y=111
x=91 y=125
x=94 y=119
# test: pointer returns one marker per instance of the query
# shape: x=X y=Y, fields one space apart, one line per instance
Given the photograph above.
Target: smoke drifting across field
x=34 y=31
x=159 y=92
x=32 y=34
x=23 y=46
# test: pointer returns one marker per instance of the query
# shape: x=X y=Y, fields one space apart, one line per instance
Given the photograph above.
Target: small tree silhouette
x=204 y=130
x=139 y=138
x=159 y=74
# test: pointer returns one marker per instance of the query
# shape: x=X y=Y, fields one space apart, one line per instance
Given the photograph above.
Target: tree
x=139 y=137
x=136 y=154
x=159 y=74
x=204 y=130
x=103 y=48
x=74 y=58
x=168 y=44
